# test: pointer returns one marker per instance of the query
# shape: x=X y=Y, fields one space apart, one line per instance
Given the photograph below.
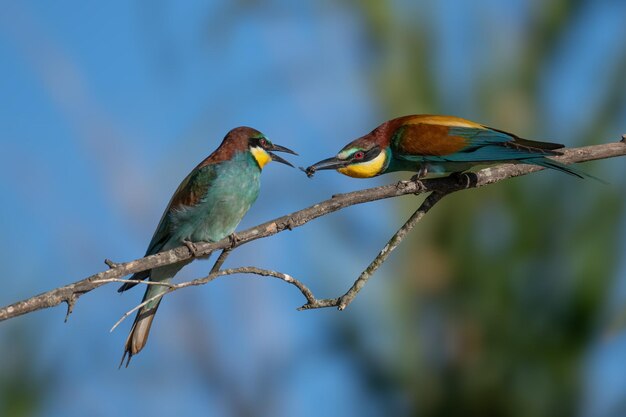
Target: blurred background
x=504 y=301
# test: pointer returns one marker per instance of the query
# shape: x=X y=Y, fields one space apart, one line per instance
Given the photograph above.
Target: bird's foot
x=462 y=178
x=234 y=239
x=418 y=177
x=421 y=173
x=193 y=249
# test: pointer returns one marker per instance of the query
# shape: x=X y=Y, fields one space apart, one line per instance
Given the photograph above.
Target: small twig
x=111 y=264
x=393 y=243
x=132 y=281
x=320 y=303
x=220 y=260
x=213 y=275
x=137 y=307
x=248 y=270
x=70 y=306
x=342 y=302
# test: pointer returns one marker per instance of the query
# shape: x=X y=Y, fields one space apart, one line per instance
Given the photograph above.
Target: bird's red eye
x=359 y=155
x=263 y=142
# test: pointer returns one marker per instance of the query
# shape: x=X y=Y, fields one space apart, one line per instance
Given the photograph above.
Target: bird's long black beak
x=278 y=148
x=329 y=163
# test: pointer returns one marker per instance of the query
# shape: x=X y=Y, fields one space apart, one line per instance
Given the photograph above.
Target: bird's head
x=365 y=157
x=263 y=150
x=247 y=139
x=242 y=140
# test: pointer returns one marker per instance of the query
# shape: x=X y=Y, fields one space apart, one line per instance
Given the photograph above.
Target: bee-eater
x=437 y=144
x=207 y=206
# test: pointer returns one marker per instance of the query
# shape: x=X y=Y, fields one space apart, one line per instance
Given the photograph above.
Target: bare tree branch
x=70 y=293
x=220 y=260
x=342 y=302
x=214 y=274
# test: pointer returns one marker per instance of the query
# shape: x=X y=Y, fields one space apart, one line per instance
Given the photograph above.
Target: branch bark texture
x=439 y=186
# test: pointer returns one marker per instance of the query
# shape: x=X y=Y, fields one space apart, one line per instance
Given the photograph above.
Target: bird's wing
x=189 y=193
x=439 y=142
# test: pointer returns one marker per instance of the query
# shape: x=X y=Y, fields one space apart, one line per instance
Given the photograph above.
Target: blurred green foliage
x=23 y=383
x=499 y=291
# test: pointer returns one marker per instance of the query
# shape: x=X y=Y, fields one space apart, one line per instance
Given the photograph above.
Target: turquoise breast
x=233 y=188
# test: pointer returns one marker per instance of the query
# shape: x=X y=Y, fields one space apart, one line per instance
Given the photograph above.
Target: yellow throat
x=261 y=156
x=365 y=169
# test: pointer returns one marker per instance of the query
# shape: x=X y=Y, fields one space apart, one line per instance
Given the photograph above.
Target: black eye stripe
x=367 y=155
x=261 y=142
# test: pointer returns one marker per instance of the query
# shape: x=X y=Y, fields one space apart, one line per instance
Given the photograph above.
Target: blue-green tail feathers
x=552 y=164
x=568 y=169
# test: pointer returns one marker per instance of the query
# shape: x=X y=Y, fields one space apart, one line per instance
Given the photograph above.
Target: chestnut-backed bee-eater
x=207 y=206
x=437 y=144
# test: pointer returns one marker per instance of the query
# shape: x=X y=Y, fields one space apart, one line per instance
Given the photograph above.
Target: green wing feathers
x=190 y=191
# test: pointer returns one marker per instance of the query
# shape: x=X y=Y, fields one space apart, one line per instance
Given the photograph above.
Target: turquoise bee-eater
x=437 y=144
x=206 y=207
